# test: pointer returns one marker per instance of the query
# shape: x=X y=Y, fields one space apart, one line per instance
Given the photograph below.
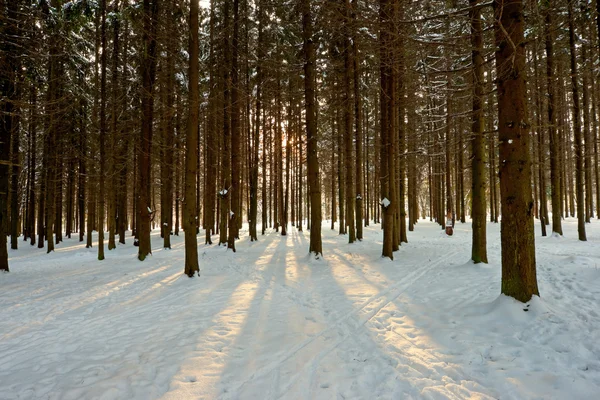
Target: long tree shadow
x=338 y=357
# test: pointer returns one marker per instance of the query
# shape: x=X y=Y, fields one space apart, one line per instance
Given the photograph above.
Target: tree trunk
x=386 y=132
x=149 y=50
x=358 y=127
x=191 y=157
x=349 y=164
x=236 y=138
x=32 y=161
x=579 y=179
x=517 y=233
x=316 y=246
x=552 y=131
x=478 y=193
x=224 y=194
x=102 y=149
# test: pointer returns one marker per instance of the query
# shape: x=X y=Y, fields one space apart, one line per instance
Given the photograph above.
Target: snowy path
x=267 y=322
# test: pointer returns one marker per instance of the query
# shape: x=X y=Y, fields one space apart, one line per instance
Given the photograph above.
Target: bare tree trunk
x=358 y=127
x=386 y=8
x=579 y=178
x=32 y=161
x=102 y=132
x=191 y=161
x=145 y=212
x=478 y=193
x=235 y=214
x=225 y=173
x=552 y=131
x=316 y=246
x=517 y=233
x=349 y=164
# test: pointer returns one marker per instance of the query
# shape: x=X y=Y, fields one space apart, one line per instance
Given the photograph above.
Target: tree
x=517 y=234
x=102 y=146
x=478 y=215
x=316 y=245
x=148 y=71
x=552 y=129
x=348 y=133
x=235 y=213
x=579 y=179
x=387 y=94
x=8 y=72
x=191 y=144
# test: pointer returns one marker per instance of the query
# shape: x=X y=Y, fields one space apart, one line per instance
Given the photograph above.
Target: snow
x=268 y=321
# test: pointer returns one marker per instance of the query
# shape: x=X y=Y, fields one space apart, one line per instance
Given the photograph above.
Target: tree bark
x=102 y=132
x=386 y=131
x=517 y=233
x=191 y=161
x=316 y=246
x=478 y=213
x=578 y=139
x=149 y=50
x=554 y=140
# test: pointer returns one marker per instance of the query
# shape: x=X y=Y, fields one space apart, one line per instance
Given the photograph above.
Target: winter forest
x=389 y=199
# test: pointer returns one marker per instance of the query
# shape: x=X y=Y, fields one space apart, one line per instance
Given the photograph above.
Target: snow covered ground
x=267 y=322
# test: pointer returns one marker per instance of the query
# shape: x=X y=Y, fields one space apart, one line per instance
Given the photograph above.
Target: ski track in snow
x=270 y=322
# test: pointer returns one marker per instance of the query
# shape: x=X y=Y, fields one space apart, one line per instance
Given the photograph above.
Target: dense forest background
x=122 y=116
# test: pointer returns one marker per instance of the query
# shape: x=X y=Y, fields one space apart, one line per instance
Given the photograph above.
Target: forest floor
x=269 y=322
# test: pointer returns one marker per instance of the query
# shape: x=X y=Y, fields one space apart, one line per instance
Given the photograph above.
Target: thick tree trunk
x=168 y=129
x=115 y=162
x=360 y=194
x=225 y=154
x=517 y=233
x=7 y=107
x=386 y=169
x=478 y=193
x=316 y=246
x=552 y=130
x=236 y=137
x=279 y=155
x=102 y=142
x=191 y=157
x=149 y=50
x=15 y=160
x=253 y=217
x=579 y=171
x=32 y=161
x=349 y=163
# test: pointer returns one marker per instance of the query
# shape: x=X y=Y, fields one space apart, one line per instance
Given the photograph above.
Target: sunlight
x=201 y=372
x=356 y=288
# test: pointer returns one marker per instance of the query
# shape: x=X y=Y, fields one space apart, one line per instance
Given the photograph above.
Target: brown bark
x=360 y=193
x=236 y=138
x=554 y=140
x=103 y=129
x=349 y=164
x=517 y=233
x=225 y=173
x=387 y=90
x=478 y=181
x=191 y=161
x=316 y=246
x=149 y=51
x=578 y=138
